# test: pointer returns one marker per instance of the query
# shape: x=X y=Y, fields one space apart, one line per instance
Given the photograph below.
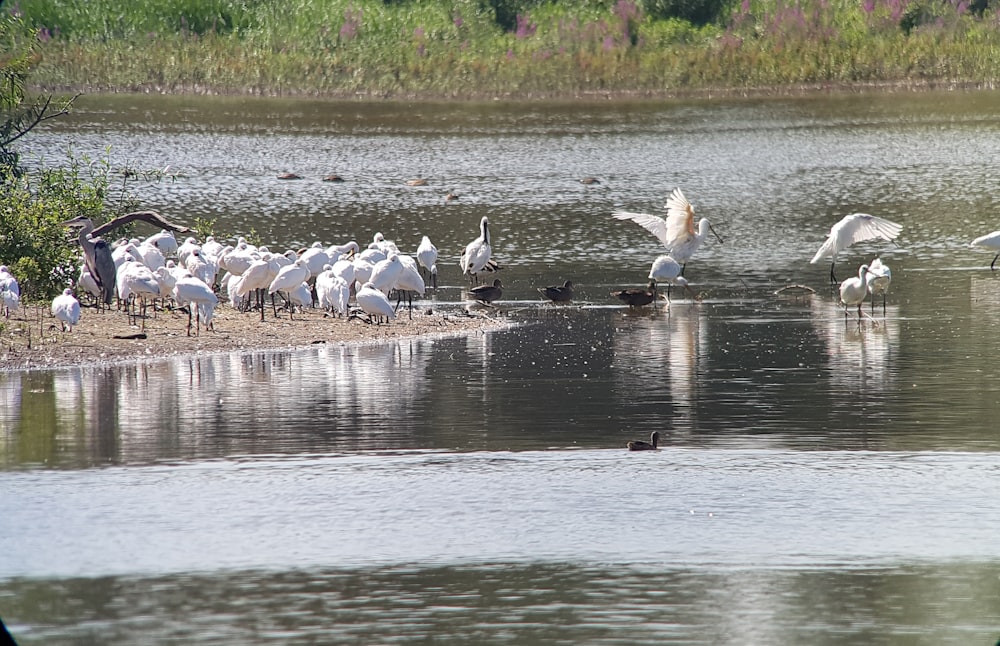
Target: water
x=821 y=481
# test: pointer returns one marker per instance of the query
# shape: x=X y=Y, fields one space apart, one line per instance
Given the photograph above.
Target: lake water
x=821 y=481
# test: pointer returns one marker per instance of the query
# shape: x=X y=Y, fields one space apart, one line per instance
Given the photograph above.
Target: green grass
x=445 y=48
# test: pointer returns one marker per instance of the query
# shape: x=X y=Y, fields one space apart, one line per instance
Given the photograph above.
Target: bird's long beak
x=691 y=292
x=715 y=232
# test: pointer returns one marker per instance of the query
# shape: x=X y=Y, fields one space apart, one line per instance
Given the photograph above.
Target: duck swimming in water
x=639 y=445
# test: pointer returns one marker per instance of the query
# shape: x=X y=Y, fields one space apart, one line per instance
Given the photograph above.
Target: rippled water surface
x=821 y=481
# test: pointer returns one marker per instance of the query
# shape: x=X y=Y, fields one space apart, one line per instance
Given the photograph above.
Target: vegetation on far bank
x=441 y=48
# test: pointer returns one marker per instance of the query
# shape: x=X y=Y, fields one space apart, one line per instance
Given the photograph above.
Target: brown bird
x=638 y=297
x=557 y=293
x=420 y=181
x=333 y=178
x=487 y=293
x=590 y=180
x=289 y=176
x=639 y=445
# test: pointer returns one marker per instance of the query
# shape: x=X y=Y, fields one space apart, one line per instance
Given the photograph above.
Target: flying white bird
x=854 y=228
x=677 y=231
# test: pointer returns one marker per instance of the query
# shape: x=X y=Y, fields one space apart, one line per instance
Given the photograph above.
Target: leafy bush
x=39 y=250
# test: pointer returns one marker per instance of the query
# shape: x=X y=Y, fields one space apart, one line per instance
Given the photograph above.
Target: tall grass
x=438 y=48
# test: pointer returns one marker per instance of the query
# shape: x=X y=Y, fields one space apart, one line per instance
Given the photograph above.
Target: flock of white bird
x=192 y=273
x=159 y=268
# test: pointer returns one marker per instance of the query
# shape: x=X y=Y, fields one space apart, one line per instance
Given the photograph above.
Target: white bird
x=137 y=280
x=878 y=279
x=255 y=279
x=677 y=231
x=10 y=291
x=386 y=272
x=288 y=279
x=989 y=241
x=853 y=290
x=164 y=241
x=478 y=252
x=66 y=308
x=667 y=270
x=88 y=283
x=199 y=298
x=427 y=255
x=409 y=280
x=301 y=296
x=185 y=249
x=854 y=228
x=316 y=257
x=374 y=302
x=201 y=266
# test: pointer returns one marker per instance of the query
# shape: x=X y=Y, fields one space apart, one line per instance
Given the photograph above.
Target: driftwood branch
x=152 y=217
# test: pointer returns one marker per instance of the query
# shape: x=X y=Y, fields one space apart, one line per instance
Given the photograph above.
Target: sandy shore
x=31 y=337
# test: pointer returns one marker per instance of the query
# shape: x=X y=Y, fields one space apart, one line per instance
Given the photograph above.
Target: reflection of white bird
x=667 y=270
x=677 y=231
x=66 y=308
x=989 y=241
x=374 y=302
x=852 y=229
x=878 y=279
x=427 y=255
x=477 y=253
x=853 y=290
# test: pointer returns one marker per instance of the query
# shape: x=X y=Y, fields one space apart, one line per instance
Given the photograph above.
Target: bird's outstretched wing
x=680 y=218
x=854 y=228
x=655 y=225
x=152 y=217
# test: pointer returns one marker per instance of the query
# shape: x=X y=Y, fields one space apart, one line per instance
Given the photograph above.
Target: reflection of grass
x=455 y=48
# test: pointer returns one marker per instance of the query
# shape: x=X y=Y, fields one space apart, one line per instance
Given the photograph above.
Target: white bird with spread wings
x=677 y=231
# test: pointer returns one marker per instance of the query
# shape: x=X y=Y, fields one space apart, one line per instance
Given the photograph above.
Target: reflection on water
x=822 y=482
x=518 y=604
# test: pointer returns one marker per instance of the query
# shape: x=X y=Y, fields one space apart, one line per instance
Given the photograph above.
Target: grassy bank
x=481 y=48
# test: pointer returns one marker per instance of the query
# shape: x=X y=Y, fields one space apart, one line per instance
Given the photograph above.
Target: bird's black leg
x=994 y=262
x=833 y=276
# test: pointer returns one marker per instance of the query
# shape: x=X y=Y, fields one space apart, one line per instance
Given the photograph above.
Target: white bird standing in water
x=477 y=253
x=989 y=241
x=853 y=290
x=667 y=270
x=676 y=232
x=66 y=308
x=878 y=279
x=427 y=255
x=854 y=228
